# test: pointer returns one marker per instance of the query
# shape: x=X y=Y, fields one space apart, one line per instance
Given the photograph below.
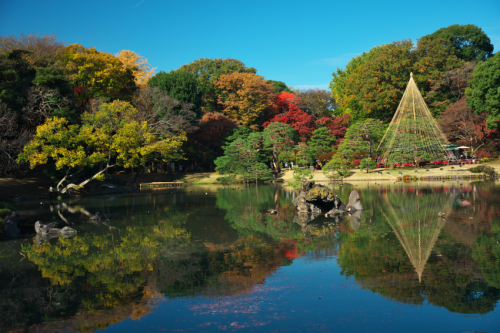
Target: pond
x=212 y=258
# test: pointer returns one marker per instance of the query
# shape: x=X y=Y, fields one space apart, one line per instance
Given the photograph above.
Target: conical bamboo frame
x=413 y=134
x=417 y=229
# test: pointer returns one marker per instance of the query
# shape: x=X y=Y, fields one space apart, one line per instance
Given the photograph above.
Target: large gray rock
x=338 y=208
x=43 y=229
x=354 y=202
x=11 y=229
x=310 y=207
x=300 y=199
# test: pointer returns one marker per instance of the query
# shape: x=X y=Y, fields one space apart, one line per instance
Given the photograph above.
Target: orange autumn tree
x=139 y=66
x=246 y=98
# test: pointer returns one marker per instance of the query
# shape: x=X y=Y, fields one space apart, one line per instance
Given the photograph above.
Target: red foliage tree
x=462 y=125
x=337 y=126
x=302 y=122
x=291 y=114
x=285 y=99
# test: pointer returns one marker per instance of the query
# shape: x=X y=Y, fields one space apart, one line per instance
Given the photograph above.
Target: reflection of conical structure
x=413 y=133
x=417 y=224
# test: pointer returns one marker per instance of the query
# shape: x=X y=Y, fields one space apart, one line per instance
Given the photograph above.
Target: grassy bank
x=357 y=175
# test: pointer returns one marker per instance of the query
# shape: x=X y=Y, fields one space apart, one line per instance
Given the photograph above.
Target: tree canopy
x=95 y=74
x=469 y=41
x=182 y=86
x=245 y=97
x=484 y=91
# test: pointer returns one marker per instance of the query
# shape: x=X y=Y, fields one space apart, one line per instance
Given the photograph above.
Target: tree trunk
x=275 y=162
x=69 y=186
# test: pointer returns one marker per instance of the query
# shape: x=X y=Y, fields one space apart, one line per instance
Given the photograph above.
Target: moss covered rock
x=320 y=193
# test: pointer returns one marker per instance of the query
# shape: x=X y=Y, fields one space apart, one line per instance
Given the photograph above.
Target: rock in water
x=320 y=193
x=300 y=199
x=43 y=229
x=354 y=202
x=338 y=208
x=310 y=207
x=11 y=229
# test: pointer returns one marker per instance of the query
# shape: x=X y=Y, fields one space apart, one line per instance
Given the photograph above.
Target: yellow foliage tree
x=109 y=133
x=139 y=66
x=96 y=74
x=245 y=97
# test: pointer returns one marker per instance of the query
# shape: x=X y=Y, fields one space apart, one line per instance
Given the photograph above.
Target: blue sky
x=297 y=42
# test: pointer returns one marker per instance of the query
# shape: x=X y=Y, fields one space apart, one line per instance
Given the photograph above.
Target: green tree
x=470 y=42
x=344 y=99
x=180 y=85
x=259 y=171
x=55 y=93
x=278 y=137
x=335 y=168
x=379 y=84
x=242 y=158
x=484 y=91
x=279 y=86
x=301 y=176
x=321 y=142
x=16 y=76
x=367 y=164
x=362 y=136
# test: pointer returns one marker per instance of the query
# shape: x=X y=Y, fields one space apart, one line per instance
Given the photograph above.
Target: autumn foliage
x=337 y=126
x=245 y=97
x=299 y=120
x=463 y=126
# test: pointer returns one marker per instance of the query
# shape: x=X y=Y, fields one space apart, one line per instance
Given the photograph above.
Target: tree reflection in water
x=406 y=237
x=227 y=244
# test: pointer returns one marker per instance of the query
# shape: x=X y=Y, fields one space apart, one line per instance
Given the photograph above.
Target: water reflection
x=223 y=243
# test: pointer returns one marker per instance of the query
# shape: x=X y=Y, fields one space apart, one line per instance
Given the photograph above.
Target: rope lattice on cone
x=413 y=134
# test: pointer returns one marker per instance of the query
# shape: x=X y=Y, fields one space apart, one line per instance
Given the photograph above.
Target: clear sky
x=297 y=42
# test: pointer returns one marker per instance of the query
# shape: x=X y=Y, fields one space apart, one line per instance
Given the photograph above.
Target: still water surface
x=210 y=259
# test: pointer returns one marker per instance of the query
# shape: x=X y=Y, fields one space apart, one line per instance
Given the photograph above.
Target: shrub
x=367 y=164
x=483 y=169
x=301 y=176
x=356 y=163
x=485 y=159
x=335 y=168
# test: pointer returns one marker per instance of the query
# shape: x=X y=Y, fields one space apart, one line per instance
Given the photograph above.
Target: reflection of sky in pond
x=309 y=295
x=183 y=260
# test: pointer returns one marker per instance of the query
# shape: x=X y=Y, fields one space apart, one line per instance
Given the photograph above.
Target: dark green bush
x=483 y=169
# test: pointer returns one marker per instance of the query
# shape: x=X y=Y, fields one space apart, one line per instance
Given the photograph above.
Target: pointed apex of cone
x=411 y=74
